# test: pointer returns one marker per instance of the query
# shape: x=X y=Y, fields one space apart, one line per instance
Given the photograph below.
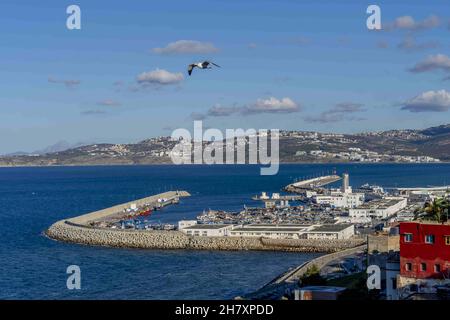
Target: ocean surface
x=31 y=199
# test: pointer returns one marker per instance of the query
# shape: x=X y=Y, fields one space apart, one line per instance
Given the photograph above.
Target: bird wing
x=190 y=68
x=214 y=64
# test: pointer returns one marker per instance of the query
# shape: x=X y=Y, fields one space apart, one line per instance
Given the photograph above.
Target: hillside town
x=398 y=146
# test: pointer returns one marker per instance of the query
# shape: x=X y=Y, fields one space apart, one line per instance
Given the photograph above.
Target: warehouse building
x=296 y=231
x=273 y=231
x=191 y=228
x=331 y=232
x=381 y=208
x=287 y=231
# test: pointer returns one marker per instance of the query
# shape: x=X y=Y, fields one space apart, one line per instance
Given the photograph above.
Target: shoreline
x=288 y=280
x=224 y=164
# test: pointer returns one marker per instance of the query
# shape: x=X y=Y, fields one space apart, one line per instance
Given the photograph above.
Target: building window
x=408 y=237
x=429 y=238
x=447 y=240
x=423 y=266
x=437 y=268
x=408 y=266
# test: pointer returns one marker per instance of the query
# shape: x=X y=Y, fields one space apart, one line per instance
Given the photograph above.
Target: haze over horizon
x=293 y=66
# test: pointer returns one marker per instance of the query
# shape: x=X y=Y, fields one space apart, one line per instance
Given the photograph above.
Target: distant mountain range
x=428 y=145
x=57 y=147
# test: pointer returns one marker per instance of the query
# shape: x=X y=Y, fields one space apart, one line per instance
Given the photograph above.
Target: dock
x=156 y=201
x=312 y=184
x=281 y=198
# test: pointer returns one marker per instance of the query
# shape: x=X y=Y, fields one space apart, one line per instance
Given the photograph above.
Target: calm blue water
x=31 y=199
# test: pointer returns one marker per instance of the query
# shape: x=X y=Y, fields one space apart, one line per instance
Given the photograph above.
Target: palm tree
x=436 y=210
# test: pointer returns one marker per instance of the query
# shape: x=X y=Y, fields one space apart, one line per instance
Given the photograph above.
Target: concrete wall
x=383 y=243
x=320 y=262
x=213 y=232
x=156 y=239
x=83 y=219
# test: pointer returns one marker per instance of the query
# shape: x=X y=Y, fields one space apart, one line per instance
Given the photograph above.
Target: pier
x=263 y=197
x=156 y=201
x=312 y=184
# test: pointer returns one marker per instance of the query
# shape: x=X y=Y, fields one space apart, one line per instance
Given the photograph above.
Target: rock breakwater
x=158 y=239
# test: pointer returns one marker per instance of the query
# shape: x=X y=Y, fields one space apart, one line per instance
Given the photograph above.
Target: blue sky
x=306 y=65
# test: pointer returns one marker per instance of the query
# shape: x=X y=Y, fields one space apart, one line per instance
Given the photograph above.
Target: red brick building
x=424 y=250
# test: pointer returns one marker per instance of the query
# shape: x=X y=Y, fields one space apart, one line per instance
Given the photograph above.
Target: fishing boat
x=145 y=212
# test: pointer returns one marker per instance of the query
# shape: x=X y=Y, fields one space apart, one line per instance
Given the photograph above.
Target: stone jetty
x=78 y=230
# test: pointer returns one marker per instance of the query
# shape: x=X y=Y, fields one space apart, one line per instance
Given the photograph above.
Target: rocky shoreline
x=158 y=239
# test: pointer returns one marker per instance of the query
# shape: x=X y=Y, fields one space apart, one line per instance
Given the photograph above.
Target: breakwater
x=159 y=239
x=105 y=213
x=79 y=230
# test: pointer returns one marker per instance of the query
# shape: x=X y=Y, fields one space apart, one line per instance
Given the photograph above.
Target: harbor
x=158 y=272
x=304 y=219
x=345 y=226
x=120 y=226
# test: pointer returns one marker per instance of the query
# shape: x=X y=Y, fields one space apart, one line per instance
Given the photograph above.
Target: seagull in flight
x=201 y=65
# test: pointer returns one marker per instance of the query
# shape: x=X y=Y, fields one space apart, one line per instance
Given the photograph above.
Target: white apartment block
x=381 y=208
x=340 y=199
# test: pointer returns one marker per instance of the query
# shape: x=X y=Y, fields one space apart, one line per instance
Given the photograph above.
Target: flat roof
x=330 y=228
x=380 y=203
x=281 y=225
x=207 y=226
x=268 y=229
x=443 y=188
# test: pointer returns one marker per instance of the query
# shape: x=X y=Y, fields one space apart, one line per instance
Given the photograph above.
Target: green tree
x=312 y=277
x=436 y=210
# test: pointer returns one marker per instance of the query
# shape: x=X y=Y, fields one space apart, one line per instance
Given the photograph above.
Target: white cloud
x=273 y=105
x=93 y=112
x=68 y=82
x=433 y=62
x=221 y=111
x=186 y=47
x=301 y=40
x=408 y=23
x=109 y=103
x=429 y=101
x=340 y=112
x=269 y=105
x=404 y=22
x=409 y=44
x=382 y=44
x=198 y=116
x=159 y=77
